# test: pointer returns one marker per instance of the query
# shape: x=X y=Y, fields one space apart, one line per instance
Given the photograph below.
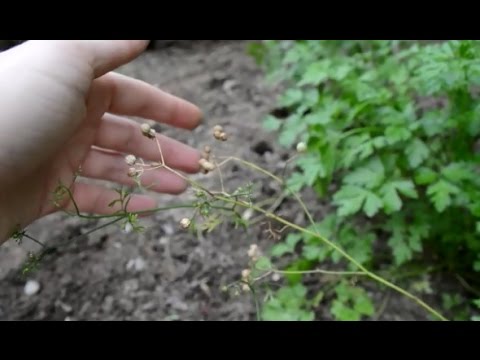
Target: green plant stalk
x=323 y=239
x=233 y=201
x=341 y=251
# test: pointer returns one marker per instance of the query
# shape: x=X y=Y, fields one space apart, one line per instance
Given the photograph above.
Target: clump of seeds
x=147 y=131
x=219 y=134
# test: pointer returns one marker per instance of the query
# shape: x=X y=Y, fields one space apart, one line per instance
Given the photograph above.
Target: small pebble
x=137 y=264
x=32 y=287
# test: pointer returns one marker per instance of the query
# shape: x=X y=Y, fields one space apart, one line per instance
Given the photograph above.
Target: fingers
x=103 y=56
x=93 y=199
x=107 y=55
x=123 y=135
x=112 y=167
x=132 y=97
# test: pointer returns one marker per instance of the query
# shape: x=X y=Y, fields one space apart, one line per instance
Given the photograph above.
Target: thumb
x=107 y=55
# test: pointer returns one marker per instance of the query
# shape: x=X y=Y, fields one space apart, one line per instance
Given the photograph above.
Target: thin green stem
x=343 y=253
x=253 y=166
x=35 y=240
x=101 y=227
x=319 y=271
x=320 y=237
x=165 y=208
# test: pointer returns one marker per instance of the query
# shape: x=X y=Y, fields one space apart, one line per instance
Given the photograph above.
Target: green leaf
x=293 y=239
x=301 y=264
x=425 y=176
x=312 y=167
x=263 y=264
x=478 y=227
x=292 y=128
x=271 y=123
x=306 y=316
x=316 y=73
x=401 y=251
x=364 y=306
x=279 y=250
x=349 y=199
x=352 y=302
x=372 y=204
x=417 y=152
x=476 y=265
x=318 y=118
x=291 y=97
x=406 y=187
x=344 y=313
x=379 y=142
x=457 y=172
x=357 y=147
x=450 y=301
x=415 y=242
x=391 y=200
x=441 y=194
x=434 y=123
x=299 y=291
x=311 y=252
x=296 y=182
x=418 y=231
x=341 y=72
x=477 y=303
x=359 y=245
x=394 y=134
x=369 y=176
x=310 y=97
x=287 y=138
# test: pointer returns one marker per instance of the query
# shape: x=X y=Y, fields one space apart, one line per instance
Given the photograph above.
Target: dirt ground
x=165 y=273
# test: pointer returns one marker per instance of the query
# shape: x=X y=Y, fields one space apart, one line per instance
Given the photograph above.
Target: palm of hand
x=69 y=125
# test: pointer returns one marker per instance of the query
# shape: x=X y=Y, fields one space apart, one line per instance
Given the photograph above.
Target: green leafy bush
x=391 y=129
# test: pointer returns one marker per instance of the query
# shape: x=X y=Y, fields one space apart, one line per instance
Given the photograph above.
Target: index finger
x=131 y=97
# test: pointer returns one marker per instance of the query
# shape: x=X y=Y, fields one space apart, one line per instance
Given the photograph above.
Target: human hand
x=60 y=111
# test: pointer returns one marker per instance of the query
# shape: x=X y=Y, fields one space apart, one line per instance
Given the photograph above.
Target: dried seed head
x=220 y=135
x=206 y=152
x=145 y=128
x=217 y=128
x=185 y=223
x=217 y=134
x=245 y=288
x=253 y=251
x=130 y=160
x=206 y=165
x=301 y=147
x=132 y=172
x=276 y=277
x=246 y=274
x=148 y=131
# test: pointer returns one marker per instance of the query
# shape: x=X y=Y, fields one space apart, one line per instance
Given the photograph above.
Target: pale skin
x=63 y=109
